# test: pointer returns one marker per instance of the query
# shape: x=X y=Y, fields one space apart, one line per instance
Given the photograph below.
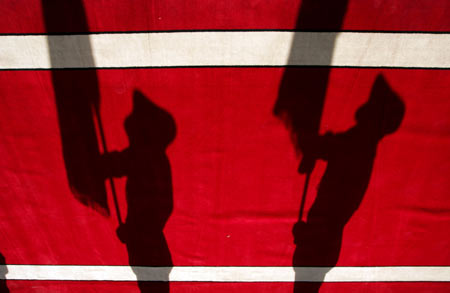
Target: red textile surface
x=236 y=192
x=178 y=287
x=23 y=16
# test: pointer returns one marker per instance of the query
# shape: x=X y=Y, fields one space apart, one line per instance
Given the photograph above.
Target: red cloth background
x=235 y=185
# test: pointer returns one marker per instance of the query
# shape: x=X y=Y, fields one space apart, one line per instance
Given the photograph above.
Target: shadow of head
x=383 y=112
x=148 y=124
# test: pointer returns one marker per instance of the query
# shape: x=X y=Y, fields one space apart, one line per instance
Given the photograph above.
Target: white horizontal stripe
x=261 y=48
x=228 y=274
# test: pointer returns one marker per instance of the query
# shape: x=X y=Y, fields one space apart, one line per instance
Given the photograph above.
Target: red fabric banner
x=204 y=168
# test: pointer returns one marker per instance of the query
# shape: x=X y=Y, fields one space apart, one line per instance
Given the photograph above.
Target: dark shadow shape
x=350 y=156
x=77 y=98
x=3 y=272
x=302 y=92
x=150 y=130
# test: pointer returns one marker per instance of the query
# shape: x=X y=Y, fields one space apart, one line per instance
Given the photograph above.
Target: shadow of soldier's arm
x=316 y=147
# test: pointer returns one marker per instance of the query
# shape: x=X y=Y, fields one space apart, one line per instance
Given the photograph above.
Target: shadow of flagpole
x=302 y=94
x=302 y=91
x=77 y=98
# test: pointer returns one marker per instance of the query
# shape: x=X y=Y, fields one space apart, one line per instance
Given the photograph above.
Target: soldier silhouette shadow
x=150 y=130
x=350 y=158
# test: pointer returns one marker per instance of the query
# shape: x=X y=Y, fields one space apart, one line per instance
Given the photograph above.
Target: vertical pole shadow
x=150 y=130
x=301 y=97
x=77 y=98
